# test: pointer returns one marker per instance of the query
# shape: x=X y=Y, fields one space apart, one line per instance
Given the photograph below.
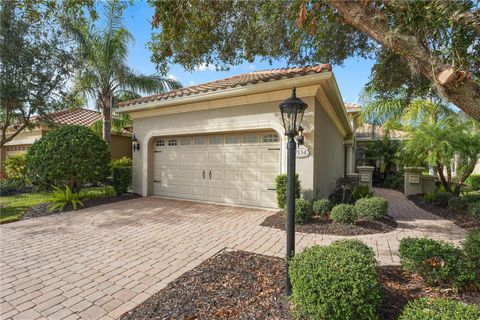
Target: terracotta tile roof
x=365 y=132
x=352 y=107
x=231 y=82
x=76 y=116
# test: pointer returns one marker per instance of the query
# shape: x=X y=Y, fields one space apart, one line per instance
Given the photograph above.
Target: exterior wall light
x=135 y=143
x=292 y=111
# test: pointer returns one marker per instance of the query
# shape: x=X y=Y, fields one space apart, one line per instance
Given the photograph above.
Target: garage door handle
x=210 y=174
x=203 y=174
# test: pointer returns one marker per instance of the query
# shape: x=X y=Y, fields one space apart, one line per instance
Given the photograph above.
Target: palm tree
x=103 y=74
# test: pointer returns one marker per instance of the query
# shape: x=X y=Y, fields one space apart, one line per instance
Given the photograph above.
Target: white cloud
x=191 y=83
x=172 y=77
x=205 y=67
x=252 y=67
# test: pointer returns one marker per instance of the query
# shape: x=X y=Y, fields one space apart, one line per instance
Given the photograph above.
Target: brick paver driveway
x=102 y=261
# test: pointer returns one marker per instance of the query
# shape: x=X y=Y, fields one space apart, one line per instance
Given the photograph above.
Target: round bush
x=441 y=198
x=473 y=181
x=68 y=156
x=439 y=309
x=474 y=209
x=321 y=207
x=457 y=203
x=344 y=213
x=339 y=281
x=303 y=210
x=470 y=198
x=371 y=208
x=439 y=263
x=471 y=247
x=16 y=166
x=281 y=184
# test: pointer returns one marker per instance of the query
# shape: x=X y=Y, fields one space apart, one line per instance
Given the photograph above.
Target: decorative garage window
x=172 y=142
x=270 y=138
x=160 y=143
x=232 y=140
x=21 y=148
x=250 y=138
x=186 y=142
x=200 y=141
x=215 y=140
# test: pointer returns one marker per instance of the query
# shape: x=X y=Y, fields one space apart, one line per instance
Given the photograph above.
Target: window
x=160 y=143
x=232 y=140
x=186 y=142
x=200 y=141
x=270 y=137
x=172 y=142
x=250 y=138
x=214 y=140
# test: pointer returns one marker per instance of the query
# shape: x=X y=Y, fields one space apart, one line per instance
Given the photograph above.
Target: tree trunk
x=445 y=183
x=107 y=120
x=457 y=86
x=468 y=171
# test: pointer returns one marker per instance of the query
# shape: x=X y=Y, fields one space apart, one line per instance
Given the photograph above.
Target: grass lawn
x=12 y=207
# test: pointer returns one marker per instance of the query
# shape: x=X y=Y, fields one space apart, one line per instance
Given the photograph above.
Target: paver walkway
x=99 y=262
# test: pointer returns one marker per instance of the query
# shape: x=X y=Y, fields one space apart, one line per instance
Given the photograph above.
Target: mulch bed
x=243 y=285
x=41 y=210
x=460 y=217
x=321 y=225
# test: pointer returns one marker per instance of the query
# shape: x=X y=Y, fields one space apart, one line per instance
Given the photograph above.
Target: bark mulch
x=460 y=217
x=41 y=210
x=322 y=225
x=243 y=285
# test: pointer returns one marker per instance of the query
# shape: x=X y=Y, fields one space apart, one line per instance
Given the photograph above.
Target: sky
x=351 y=77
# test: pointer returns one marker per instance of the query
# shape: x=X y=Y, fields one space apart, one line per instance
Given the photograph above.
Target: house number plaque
x=414 y=179
x=365 y=178
x=303 y=152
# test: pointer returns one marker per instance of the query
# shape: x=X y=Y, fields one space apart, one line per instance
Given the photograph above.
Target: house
x=121 y=143
x=223 y=141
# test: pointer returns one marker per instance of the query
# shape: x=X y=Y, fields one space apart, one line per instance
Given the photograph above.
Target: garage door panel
x=232 y=176
x=250 y=157
x=250 y=176
x=270 y=157
x=232 y=157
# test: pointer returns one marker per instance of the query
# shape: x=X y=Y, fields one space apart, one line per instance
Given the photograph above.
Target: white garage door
x=232 y=168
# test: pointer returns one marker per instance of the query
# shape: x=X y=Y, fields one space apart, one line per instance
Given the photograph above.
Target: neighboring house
x=121 y=143
x=223 y=141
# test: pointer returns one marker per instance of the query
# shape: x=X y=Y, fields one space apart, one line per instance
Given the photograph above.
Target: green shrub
x=360 y=192
x=471 y=247
x=303 y=210
x=371 y=208
x=428 y=197
x=394 y=180
x=457 y=203
x=439 y=309
x=322 y=207
x=122 y=179
x=122 y=162
x=474 y=209
x=337 y=282
x=343 y=192
x=438 y=262
x=16 y=167
x=344 y=213
x=441 y=198
x=11 y=186
x=473 y=181
x=281 y=188
x=68 y=156
x=61 y=198
x=472 y=198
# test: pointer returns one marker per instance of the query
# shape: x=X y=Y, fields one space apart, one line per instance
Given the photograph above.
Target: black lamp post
x=292 y=111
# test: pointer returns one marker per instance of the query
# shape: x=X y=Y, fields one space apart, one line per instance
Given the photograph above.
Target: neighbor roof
x=231 y=82
x=352 y=107
x=75 y=116
x=365 y=132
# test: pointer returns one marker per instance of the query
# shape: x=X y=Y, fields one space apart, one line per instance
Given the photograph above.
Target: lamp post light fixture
x=135 y=143
x=292 y=111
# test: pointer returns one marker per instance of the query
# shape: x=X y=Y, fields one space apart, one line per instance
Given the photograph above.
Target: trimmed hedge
x=474 y=209
x=16 y=166
x=438 y=262
x=457 y=203
x=281 y=188
x=303 y=210
x=68 y=156
x=439 y=309
x=371 y=208
x=471 y=247
x=322 y=207
x=337 y=282
x=344 y=213
x=473 y=181
x=122 y=179
x=441 y=198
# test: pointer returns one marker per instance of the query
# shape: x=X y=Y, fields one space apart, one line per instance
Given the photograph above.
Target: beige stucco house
x=223 y=141
x=121 y=143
